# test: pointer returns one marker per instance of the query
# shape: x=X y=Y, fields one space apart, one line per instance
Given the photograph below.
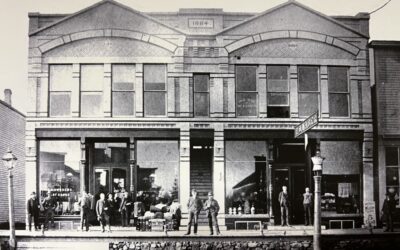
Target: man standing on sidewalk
x=49 y=205
x=388 y=209
x=307 y=204
x=33 y=208
x=125 y=209
x=84 y=203
x=284 y=203
x=212 y=209
x=194 y=206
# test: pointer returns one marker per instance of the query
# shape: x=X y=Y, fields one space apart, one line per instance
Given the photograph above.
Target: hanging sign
x=306 y=125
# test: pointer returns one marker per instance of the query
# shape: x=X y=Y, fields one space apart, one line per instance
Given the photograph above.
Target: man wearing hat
x=33 y=209
x=212 y=209
x=388 y=209
x=194 y=206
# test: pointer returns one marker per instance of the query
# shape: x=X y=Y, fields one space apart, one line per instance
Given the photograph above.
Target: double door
x=294 y=178
x=110 y=179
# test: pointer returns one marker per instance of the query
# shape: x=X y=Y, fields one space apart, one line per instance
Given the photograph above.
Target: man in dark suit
x=388 y=209
x=194 y=206
x=84 y=203
x=125 y=209
x=33 y=209
x=49 y=205
x=101 y=211
x=212 y=209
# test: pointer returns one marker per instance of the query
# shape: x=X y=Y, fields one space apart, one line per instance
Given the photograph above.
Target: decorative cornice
x=287 y=126
x=142 y=125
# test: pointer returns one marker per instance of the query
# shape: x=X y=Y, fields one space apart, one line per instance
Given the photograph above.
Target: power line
x=380 y=7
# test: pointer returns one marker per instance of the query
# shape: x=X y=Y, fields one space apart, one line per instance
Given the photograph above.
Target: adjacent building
x=164 y=102
x=385 y=62
x=12 y=137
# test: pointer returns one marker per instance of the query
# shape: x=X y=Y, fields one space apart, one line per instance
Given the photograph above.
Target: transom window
x=61 y=88
x=123 y=89
x=92 y=90
x=155 y=90
x=201 y=94
x=338 y=87
x=278 y=91
x=308 y=88
x=246 y=90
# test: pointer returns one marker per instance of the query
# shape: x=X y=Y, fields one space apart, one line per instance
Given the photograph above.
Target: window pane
x=281 y=112
x=246 y=104
x=157 y=177
x=338 y=105
x=60 y=77
x=123 y=77
x=122 y=103
x=246 y=78
x=92 y=104
x=201 y=104
x=278 y=86
x=337 y=77
x=201 y=83
x=392 y=176
x=277 y=78
x=60 y=104
x=110 y=152
x=308 y=78
x=92 y=77
x=154 y=77
x=308 y=104
x=154 y=103
x=392 y=156
x=59 y=173
x=102 y=181
x=278 y=99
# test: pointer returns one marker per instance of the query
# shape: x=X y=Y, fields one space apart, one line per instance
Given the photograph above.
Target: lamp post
x=317 y=169
x=9 y=161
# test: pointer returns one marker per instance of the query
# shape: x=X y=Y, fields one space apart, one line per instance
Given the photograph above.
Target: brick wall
x=12 y=135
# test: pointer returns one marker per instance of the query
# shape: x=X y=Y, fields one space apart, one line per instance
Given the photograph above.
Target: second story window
x=338 y=87
x=246 y=90
x=278 y=91
x=155 y=90
x=92 y=90
x=201 y=94
x=61 y=87
x=123 y=87
x=308 y=90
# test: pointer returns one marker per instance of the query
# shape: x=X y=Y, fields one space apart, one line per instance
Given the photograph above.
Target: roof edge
x=12 y=108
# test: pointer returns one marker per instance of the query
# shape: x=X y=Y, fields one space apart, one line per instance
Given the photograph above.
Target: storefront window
x=59 y=173
x=246 y=90
x=341 y=176
x=61 y=87
x=158 y=171
x=245 y=176
x=392 y=171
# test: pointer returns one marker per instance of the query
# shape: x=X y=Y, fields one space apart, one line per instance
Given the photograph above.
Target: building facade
x=12 y=137
x=386 y=95
x=200 y=98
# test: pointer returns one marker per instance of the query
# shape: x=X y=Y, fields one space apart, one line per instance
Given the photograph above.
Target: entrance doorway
x=201 y=158
x=294 y=178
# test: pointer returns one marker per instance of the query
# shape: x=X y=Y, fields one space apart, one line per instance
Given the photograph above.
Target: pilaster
x=184 y=165
x=219 y=166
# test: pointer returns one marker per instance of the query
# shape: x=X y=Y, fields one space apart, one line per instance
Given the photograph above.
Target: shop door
x=109 y=180
x=293 y=177
x=201 y=168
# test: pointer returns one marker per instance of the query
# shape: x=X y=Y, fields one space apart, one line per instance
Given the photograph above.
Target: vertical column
x=354 y=95
x=107 y=90
x=139 y=90
x=219 y=168
x=171 y=97
x=262 y=90
x=270 y=145
x=31 y=166
x=133 y=169
x=231 y=97
x=184 y=165
x=324 y=92
x=76 y=75
x=368 y=172
x=293 y=91
x=82 y=166
x=366 y=99
x=43 y=92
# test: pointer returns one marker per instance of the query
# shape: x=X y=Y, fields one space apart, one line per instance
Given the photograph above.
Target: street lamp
x=317 y=169
x=9 y=161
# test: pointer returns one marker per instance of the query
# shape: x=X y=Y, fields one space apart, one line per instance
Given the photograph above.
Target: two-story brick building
x=385 y=62
x=12 y=137
x=200 y=98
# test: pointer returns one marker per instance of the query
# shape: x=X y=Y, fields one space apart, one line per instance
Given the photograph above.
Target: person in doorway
x=125 y=209
x=110 y=207
x=101 y=212
x=307 y=204
x=85 y=205
x=33 y=209
x=284 y=204
x=49 y=205
x=194 y=206
x=388 y=208
x=212 y=208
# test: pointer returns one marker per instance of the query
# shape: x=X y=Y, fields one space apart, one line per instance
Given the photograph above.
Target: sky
x=14 y=25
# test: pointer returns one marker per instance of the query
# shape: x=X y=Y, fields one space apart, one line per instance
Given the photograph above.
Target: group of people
x=284 y=204
x=195 y=205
